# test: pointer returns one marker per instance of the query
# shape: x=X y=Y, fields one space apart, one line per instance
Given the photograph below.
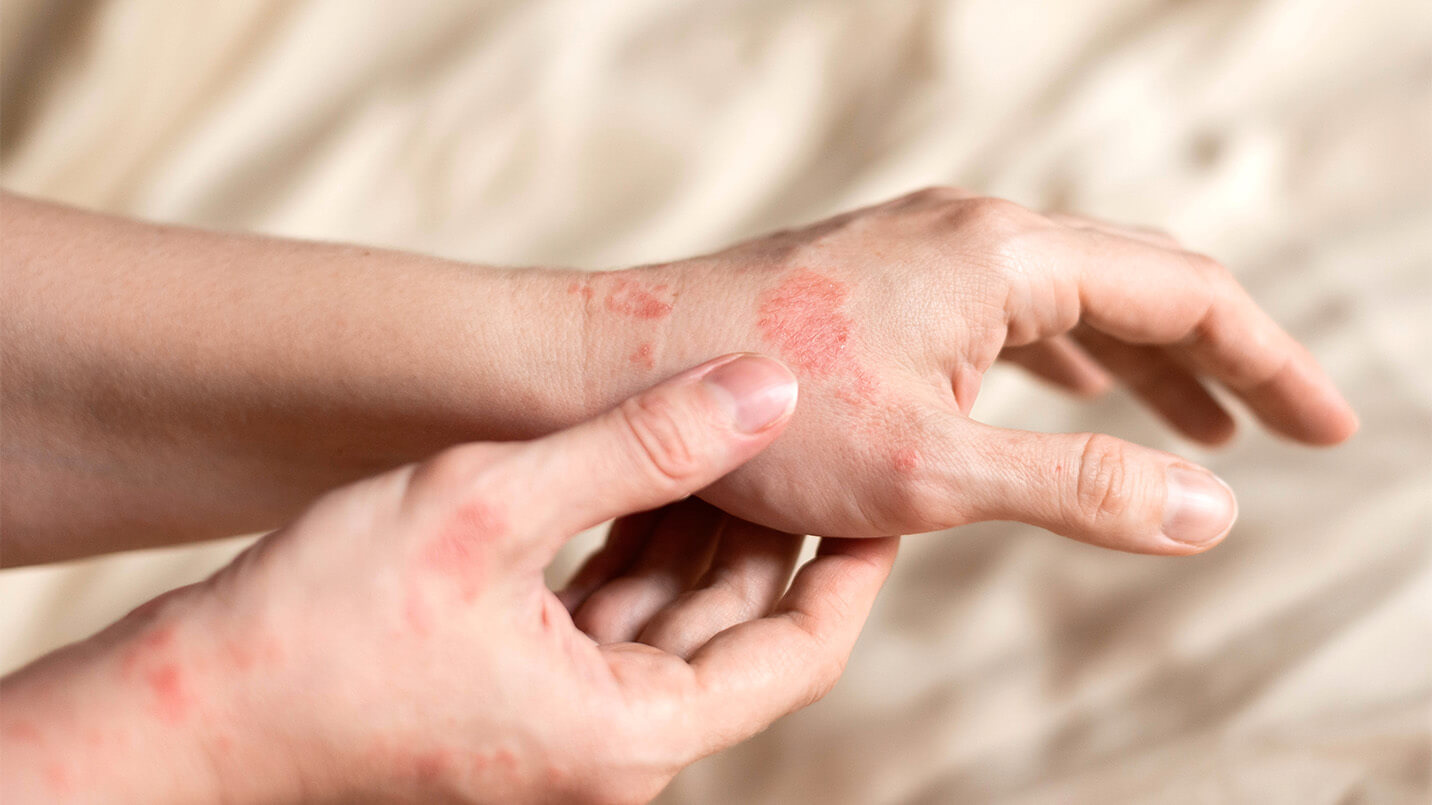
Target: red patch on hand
x=906 y=460
x=171 y=693
x=456 y=552
x=24 y=731
x=57 y=777
x=629 y=298
x=430 y=765
x=643 y=357
x=802 y=317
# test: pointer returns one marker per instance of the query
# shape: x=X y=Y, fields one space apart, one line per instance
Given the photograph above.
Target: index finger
x=1144 y=294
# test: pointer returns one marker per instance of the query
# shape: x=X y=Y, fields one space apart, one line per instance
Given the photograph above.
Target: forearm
x=165 y=384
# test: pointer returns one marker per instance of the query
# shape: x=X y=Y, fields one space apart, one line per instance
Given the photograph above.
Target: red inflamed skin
x=891 y=316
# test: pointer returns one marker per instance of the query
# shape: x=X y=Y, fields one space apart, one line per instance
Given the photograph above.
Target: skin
x=397 y=641
x=166 y=384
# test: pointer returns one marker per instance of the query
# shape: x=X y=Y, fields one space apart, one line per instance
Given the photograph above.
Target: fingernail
x=757 y=391
x=1199 y=507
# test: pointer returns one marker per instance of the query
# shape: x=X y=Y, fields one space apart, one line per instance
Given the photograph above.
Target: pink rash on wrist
x=802 y=318
x=457 y=550
x=629 y=298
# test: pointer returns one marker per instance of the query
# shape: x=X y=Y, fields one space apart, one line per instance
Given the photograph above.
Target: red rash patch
x=629 y=298
x=153 y=642
x=239 y=655
x=802 y=317
x=575 y=287
x=167 y=684
x=23 y=731
x=643 y=357
x=906 y=460
x=430 y=765
x=57 y=777
x=861 y=390
x=456 y=550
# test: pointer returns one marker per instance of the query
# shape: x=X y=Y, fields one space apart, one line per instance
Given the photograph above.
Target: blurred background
x=1290 y=138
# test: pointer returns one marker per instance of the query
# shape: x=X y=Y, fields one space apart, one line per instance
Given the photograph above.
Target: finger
x=1168 y=388
x=750 y=675
x=627 y=536
x=656 y=447
x=675 y=556
x=1142 y=294
x=749 y=571
x=1060 y=361
x=1088 y=486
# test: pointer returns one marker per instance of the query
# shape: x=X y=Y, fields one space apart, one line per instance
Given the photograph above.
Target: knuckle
x=937 y=193
x=1206 y=266
x=828 y=672
x=922 y=505
x=995 y=215
x=661 y=439
x=453 y=467
x=1102 y=490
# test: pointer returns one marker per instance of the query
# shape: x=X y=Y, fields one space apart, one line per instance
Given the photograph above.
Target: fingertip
x=1199 y=508
x=1340 y=426
x=757 y=392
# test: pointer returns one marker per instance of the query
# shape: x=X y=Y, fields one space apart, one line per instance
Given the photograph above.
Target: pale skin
x=164 y=384
x=397 y=641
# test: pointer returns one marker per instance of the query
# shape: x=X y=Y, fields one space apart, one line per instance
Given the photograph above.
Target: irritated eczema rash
x=624 y=295
x=802 y=317
x=457 y=553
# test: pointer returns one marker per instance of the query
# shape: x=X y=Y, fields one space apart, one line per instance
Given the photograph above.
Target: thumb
x=659 y=446
x=1098 y=489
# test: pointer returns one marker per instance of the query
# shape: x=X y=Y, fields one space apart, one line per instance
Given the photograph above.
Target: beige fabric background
x=1291 y=665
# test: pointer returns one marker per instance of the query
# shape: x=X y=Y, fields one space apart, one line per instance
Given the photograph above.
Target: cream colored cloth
x=1291 y=139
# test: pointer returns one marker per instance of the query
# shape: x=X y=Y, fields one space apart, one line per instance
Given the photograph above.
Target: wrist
x=642 y=325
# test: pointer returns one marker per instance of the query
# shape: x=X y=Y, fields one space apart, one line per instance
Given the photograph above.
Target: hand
x=891 y=315
x=397 y=640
